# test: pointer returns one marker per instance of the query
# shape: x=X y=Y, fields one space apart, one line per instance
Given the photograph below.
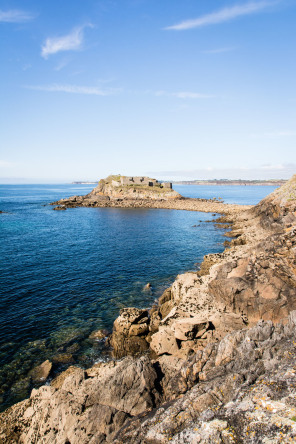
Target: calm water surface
x=67 y=273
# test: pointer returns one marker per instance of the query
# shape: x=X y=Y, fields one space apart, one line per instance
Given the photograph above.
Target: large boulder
x=130 y=329
x=41 y=372
x=85 y=407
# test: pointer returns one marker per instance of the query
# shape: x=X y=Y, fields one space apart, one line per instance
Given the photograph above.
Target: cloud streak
x=70 y=42
x=274 y=135
x=184 y=95
x=74 y=89
x=223 y=15
x=15 y=16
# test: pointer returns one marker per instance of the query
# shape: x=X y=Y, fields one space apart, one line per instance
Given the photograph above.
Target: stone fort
x=139 y=180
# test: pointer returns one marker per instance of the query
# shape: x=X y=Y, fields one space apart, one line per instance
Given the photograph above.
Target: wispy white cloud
x=69 y=42
x=61 y=65
x=15 y=16
x=184 y=95
x=74 y=89
x=223 y=15
x=274 y=134
x=219 y=50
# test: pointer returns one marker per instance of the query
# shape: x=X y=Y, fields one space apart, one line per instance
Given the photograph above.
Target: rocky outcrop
x=241 y=389
x=118 y=188
x=86 y=407
x=278 y=209
x=129 y=333
x=120 y=192
x=213 y=361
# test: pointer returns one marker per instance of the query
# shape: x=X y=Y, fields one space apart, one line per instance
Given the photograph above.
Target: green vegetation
x=113 y=177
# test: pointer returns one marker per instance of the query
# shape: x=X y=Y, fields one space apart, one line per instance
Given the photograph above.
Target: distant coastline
x=84 y=183
x=271 y=182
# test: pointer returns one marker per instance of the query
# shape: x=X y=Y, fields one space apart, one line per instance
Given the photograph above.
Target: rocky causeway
x=212 y=362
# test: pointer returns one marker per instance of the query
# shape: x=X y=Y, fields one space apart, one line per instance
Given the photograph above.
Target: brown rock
x=59 y=380
x=190 y=328
x=127 y=345
x=127 y=317
x=164 y=341
x=165 y=297
x=165 y=308
x=138 y=330
x=155 y=319
x=63 y=358
x=83 y=410
x=42 y=371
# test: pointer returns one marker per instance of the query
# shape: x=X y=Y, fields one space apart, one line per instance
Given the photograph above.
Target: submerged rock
x=99 y=334
x=60 y=207
x=41 y=372
x=63 y=358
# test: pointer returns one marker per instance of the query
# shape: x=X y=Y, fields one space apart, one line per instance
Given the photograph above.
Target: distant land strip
x=272 y=182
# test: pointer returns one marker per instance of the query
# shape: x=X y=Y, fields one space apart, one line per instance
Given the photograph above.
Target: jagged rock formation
x=241 y=390
x=219 y=354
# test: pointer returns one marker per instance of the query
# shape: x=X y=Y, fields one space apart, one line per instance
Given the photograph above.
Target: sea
x=65 y=274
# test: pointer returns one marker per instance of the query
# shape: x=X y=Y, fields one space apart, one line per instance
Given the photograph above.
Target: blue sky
x=170 y=88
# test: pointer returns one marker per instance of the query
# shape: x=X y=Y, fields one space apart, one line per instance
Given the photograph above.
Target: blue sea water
x=64 y=274
x=232 y=194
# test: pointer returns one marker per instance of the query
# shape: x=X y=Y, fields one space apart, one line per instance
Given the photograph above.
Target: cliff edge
x=213 y=362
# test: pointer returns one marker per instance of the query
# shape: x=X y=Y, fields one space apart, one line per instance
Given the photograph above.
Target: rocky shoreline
x=213 y=361
x=187 y=204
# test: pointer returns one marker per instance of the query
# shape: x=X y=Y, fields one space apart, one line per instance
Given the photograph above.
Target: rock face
x=239 y=390
x=87 y=407
x=213 y=362
x=129 y=332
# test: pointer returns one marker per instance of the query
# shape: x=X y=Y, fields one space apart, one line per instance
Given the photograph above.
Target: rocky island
x=142 y=192
x=213 y=362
